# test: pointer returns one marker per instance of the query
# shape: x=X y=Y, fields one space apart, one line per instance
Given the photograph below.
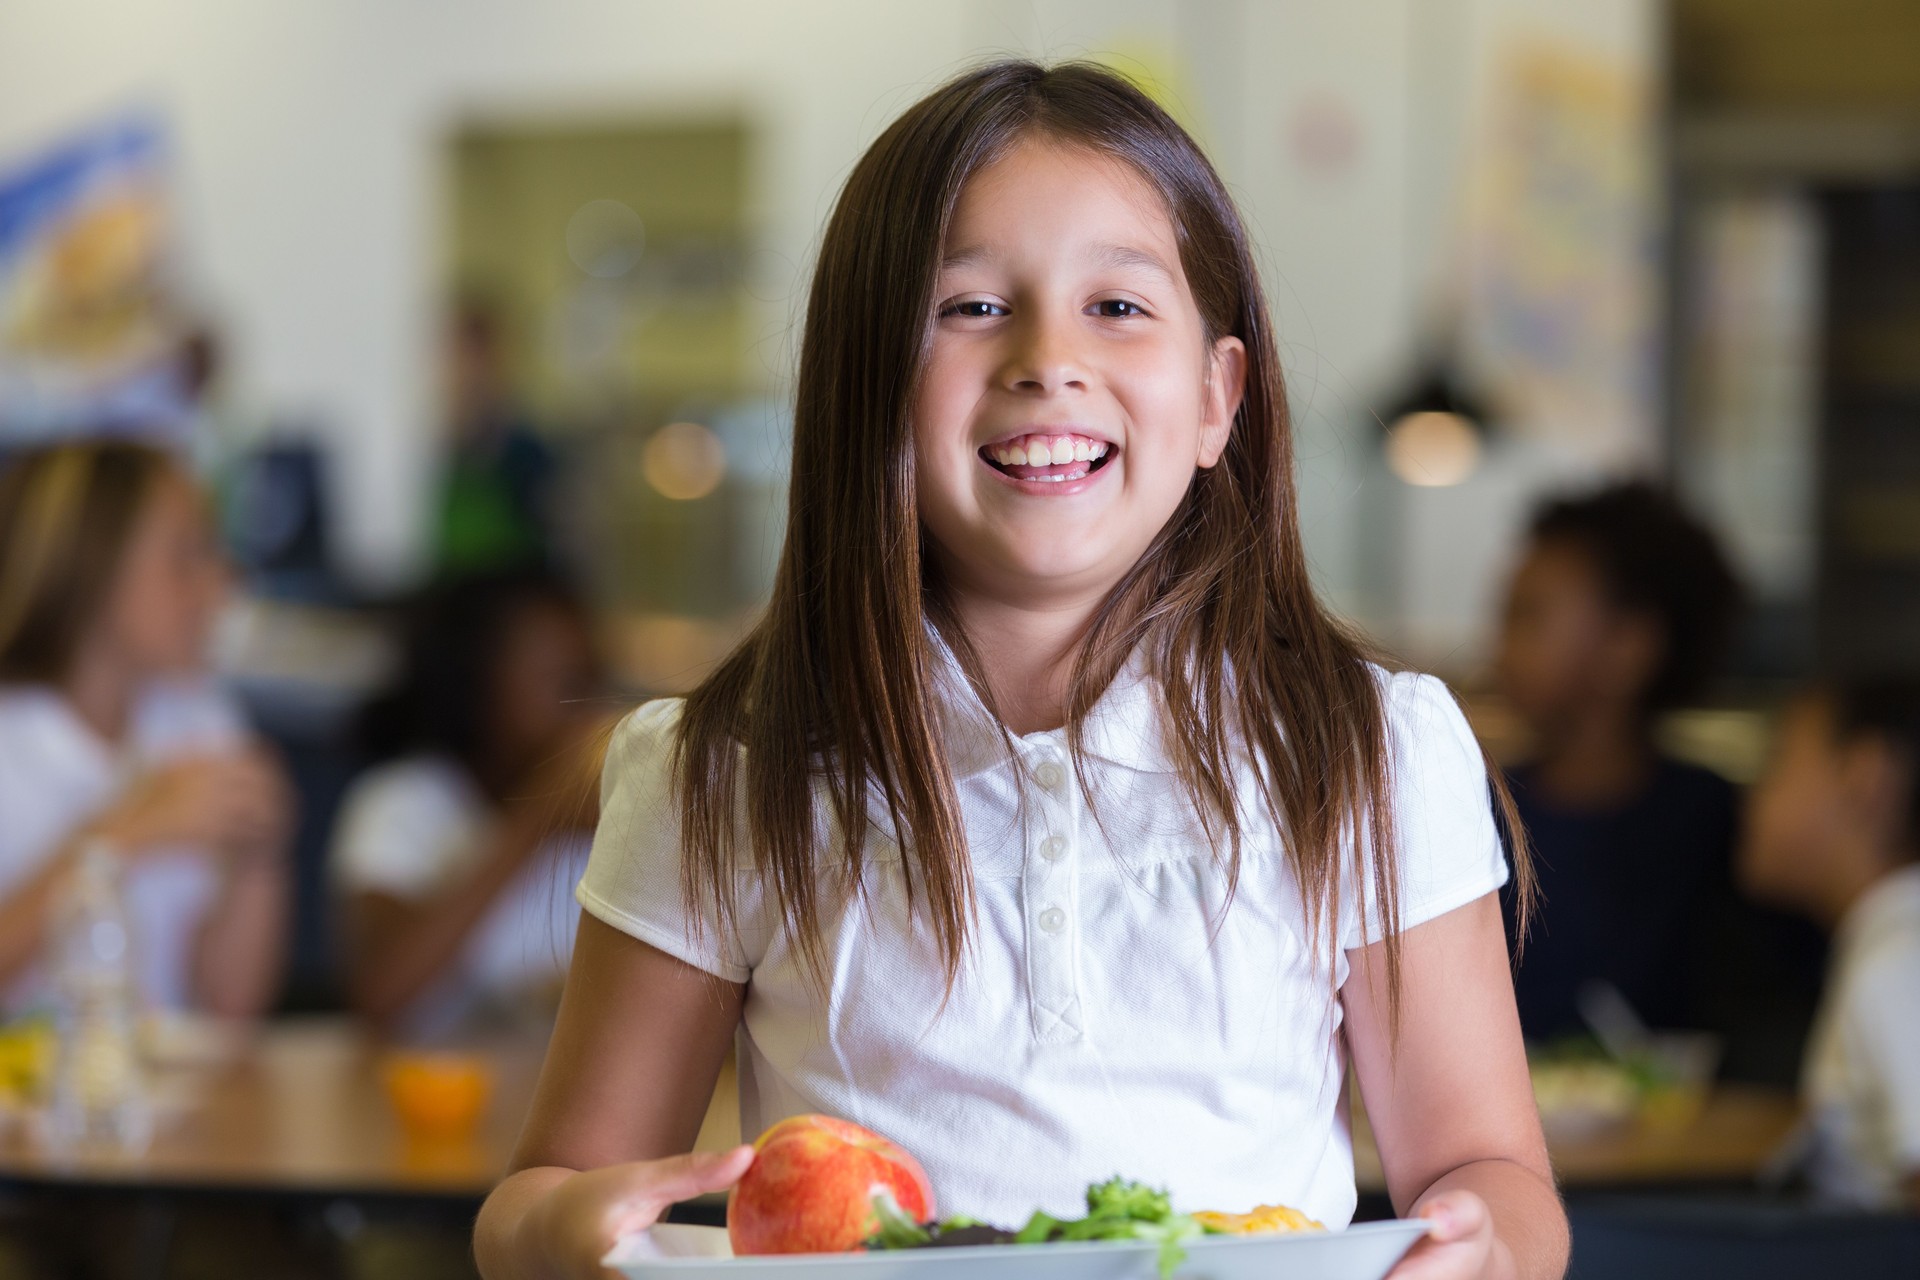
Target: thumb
x=1455 y=1215
x=719 y=1170
x=697 y=1173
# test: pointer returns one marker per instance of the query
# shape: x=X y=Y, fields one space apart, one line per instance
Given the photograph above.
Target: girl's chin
x=1021 y=574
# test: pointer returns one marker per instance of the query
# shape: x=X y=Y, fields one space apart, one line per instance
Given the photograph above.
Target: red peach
x=811 y=1185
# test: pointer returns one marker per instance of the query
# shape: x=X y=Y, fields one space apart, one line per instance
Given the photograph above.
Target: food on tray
x=1116 y=1210
x=1268 y=1219
x=821 y=1185
x=812 y=1185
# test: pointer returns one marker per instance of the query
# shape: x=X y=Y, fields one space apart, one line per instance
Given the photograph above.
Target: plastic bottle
x=99 y=1084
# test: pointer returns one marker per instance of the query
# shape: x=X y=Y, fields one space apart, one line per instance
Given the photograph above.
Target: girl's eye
x=1118 y=308
x=974 y=309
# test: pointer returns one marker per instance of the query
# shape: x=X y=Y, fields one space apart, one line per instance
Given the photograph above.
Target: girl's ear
x=1226 y=384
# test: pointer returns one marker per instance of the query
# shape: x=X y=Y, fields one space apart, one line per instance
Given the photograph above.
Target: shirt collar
x=1125 y=726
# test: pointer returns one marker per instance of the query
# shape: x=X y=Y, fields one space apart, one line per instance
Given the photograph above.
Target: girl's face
x=171 y=584
x=1827 y=800
x=1564 y=647
x=1069 y=391
x=543 y=673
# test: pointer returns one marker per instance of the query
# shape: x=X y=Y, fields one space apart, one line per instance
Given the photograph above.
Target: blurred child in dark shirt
x=1620 y=610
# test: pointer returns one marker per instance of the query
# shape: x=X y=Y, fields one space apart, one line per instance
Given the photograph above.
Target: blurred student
x=1834 y=831
x=458 y=855
x=1619 y=610
x=111 y=732
x=497 y=487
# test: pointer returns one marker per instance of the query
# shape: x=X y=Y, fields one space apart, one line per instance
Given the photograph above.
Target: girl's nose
x=1043 y=357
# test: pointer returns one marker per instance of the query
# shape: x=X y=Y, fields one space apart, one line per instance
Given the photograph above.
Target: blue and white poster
x=91 y=338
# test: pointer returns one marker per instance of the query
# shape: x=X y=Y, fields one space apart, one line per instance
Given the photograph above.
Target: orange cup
x=439 y=1096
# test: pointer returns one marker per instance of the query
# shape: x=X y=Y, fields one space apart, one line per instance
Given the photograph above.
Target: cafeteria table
x=1737 y=1134
x=298 y=1110
x=280 y=1144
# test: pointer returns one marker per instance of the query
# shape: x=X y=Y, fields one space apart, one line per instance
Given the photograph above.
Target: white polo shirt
x=1862 y=1082
x=56 y=773
x=1112 y=1016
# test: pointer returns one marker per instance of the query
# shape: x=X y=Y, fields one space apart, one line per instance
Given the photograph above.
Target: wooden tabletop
x=301 y=1109
x=1737 y=1133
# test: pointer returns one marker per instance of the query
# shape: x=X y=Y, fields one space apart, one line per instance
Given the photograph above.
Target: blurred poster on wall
x=91 y=336
x=1563 y=301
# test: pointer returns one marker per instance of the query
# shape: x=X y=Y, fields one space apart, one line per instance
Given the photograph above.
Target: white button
x=1053 y=848
x=1053 y=919
x=1050 y=776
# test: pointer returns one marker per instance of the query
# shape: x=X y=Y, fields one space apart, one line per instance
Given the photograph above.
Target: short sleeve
x=1889 y=1046
x=404 y=828
x=632 y=880
x=1448 y=850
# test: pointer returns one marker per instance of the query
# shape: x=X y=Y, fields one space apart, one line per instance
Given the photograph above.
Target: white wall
x=310 y=132
x=309 y=138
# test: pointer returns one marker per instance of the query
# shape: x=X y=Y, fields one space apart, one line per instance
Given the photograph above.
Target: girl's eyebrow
x=1103 y=254
x=971 y=256
x=1123 y=256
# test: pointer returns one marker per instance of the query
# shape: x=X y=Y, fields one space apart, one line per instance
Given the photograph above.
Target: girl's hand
x=573 y=1225
x=232 y=803
x=1459 y=1247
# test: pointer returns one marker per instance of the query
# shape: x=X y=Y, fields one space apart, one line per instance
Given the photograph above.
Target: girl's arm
x=398 y=946
x=1451 y=1103
x=636 y=1049
x=240 y=949
x=240 y=952
x=26 y=911
x=212 y=801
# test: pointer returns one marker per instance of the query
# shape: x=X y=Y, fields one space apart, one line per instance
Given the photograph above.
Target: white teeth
x=1048 y=451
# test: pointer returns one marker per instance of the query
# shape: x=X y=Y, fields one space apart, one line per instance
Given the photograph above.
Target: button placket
x=1052 y=935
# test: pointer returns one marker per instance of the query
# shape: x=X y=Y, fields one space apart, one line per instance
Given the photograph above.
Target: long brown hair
x=831 y=695
x=67 y=513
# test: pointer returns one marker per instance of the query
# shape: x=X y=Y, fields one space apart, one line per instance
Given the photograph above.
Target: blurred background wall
x=1382 y=149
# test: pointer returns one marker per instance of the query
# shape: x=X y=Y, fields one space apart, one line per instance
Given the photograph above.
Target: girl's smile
x=1049 y=461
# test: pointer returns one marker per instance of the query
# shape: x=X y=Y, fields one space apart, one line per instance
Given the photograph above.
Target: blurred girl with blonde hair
x=112 y=734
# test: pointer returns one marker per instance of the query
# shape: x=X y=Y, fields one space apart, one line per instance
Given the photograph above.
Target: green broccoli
x=1121 y=1210
x=1117 y=1209
x=1120 y=1198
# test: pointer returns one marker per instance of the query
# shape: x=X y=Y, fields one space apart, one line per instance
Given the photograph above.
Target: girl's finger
x=1456 y=1215
x=696 y=1173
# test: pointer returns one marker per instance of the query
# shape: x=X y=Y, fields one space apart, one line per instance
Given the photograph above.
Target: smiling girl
x=1046 y=824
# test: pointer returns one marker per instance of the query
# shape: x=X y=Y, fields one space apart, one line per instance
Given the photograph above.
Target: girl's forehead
x=1041 y=185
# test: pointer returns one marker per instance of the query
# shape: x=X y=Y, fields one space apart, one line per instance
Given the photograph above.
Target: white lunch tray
x=1366 y=1251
